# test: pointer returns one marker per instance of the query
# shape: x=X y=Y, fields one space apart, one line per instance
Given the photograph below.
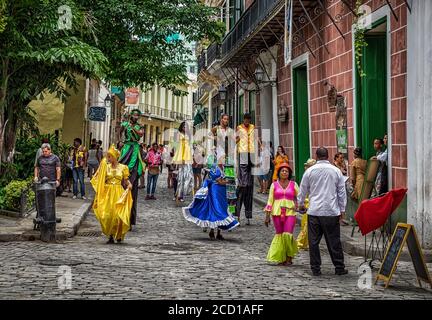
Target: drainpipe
x=275 y=106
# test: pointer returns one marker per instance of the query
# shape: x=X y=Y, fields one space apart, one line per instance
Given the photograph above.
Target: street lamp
x=222 y=92
x=108 y=99
x=259 y=74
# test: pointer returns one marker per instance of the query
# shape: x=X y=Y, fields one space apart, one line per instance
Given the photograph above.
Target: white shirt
x=325 y=185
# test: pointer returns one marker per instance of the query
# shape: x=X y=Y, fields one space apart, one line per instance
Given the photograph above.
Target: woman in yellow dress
x=112 y=204
x=183 y=159
x=280 y=158
x=302 y=238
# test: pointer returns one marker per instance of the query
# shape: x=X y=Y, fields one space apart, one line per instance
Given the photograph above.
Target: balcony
x=202 y=61
x=214 y=53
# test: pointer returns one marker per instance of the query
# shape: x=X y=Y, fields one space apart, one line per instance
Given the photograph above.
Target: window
x=192 y=69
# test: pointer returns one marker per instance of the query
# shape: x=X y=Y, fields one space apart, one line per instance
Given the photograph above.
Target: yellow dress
x=302 y=238
x=183 y=155
x=112 y=204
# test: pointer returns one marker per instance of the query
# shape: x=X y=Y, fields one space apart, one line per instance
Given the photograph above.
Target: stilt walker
x=246 y=151
x=131 y=156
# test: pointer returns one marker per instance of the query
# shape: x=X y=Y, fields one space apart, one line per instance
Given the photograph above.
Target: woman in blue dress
x=209 y=209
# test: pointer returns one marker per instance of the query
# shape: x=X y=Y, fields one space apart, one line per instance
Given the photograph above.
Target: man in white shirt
x=325 y=185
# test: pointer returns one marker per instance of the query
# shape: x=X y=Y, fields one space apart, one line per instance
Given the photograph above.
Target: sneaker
x=74 y=197
x=341 y=272
x=174 y=199
x=152 y=197
x=248 y=222
x=147 y=197
x=84 y=198
x=316 y=273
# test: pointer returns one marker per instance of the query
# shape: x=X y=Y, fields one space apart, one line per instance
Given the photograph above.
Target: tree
x=36 y=54
x=124 y=42
x=139 y=38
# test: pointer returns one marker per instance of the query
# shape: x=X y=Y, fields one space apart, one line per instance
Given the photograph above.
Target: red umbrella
x=373 y=213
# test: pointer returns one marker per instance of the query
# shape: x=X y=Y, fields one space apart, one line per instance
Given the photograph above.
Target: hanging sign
x=132 y=97
x=288 y=31
x=97 y=114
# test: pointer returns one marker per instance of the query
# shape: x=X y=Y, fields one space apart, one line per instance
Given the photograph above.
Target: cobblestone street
x=166 y=257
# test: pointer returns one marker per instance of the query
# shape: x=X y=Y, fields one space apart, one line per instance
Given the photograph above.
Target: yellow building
x=162 y=110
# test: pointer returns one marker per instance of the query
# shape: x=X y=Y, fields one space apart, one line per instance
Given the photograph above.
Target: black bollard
x=45 y=206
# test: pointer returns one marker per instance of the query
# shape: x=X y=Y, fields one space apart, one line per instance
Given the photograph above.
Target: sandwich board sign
x=403 y=234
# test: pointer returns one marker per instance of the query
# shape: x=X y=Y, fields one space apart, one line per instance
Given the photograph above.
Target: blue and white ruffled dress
x=209 y=209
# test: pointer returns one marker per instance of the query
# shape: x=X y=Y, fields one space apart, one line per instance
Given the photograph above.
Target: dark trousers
x=330 y=228
x=244 y=196
x=78 y=175
x=151 y=183
x=134 y=203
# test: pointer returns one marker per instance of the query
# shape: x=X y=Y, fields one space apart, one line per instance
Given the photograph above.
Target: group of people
x=321 y=196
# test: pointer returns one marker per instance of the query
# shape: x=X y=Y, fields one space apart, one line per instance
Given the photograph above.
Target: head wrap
x=114 y=152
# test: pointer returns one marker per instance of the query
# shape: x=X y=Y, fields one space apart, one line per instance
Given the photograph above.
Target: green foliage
x=27 y=146
x=359 y=39
x=9 y=173
x=13 y=192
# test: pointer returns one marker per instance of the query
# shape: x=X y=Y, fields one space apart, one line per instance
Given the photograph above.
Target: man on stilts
x=246 y=149
x=131 y=156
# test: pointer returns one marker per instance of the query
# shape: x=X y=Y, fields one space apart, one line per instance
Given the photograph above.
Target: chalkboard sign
x=404 y=233
x=97 y=114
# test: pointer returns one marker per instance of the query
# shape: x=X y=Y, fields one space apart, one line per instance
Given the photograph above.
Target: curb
x=32 y=235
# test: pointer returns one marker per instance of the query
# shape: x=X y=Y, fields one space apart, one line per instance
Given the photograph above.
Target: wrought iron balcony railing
x=202 y=61
x=213 y=53
x=248 y=22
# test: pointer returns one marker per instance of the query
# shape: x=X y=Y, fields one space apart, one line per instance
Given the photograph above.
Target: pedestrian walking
x=281 y=157
x=263 y=178
x=93 y=160
x=325 y=185
x=68 y=167
x=302 y=238
x=112 y=203
x=197 y=166
x=153 y=161
x=79 y=159
x=281 y=207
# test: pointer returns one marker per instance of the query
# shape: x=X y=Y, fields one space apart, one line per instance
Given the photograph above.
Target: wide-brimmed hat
x=284 y=165
x=310 y=162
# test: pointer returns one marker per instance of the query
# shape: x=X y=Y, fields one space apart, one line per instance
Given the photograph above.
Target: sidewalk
x=355 y=245
x=71 y=212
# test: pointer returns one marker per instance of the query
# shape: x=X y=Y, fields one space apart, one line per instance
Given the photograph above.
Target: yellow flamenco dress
x=302 y=238
x=112 y=204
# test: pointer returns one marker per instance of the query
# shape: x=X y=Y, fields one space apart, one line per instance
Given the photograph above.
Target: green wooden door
x=372 y=95
x=301 y=121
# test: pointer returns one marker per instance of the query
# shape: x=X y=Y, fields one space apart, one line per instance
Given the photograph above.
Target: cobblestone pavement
x=166 y=257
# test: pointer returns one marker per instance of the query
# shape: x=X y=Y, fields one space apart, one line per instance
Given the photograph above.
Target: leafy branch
x=359 y=38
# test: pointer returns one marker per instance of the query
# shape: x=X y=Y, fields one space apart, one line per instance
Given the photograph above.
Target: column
x=419 y=120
